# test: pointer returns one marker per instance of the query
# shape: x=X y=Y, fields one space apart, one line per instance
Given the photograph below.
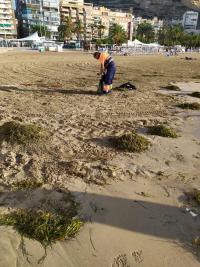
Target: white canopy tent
x=154 y=45
x=32 y=38
x=135 y=43
x=137 y=47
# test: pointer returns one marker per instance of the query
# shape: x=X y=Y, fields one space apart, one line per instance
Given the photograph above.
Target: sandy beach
x=132 y=204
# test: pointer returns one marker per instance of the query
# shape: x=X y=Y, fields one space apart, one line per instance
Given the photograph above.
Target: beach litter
x=127 y=86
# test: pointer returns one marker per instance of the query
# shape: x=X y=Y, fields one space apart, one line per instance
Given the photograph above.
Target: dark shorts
x=110 y=74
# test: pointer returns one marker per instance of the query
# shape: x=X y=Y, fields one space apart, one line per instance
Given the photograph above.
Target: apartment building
x=7 y=20
x=38 y=12
x=107 y=18
x=190 y=21
x=97 y=21
x=78 y=10
x=156 y=23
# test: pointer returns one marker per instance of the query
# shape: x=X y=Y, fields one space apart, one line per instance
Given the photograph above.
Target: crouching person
x=107 y=72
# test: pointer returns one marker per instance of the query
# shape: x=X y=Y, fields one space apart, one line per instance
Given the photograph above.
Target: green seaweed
x=131 y=142
x=26 y=185
x=45 y=227
x=192 y=106
x=195 y=94
x=162 y=130
x=172 y=87
x=22 y=134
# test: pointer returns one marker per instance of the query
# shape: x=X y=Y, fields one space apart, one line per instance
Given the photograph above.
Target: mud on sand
x=131 y=202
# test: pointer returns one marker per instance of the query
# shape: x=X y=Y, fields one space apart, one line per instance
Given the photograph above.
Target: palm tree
x=66 y=28
x=101 y=28
x=42 y=30
x=145 y=32
x=93 y=27
x=172 y=35
x=117 y=34
x=78 y=28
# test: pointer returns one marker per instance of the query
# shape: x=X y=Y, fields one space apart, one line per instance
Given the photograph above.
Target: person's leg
x=108 y=78
x=101 y=85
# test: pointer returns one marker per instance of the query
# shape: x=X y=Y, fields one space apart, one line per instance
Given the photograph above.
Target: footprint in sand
x=121 y=261
x=137 y=255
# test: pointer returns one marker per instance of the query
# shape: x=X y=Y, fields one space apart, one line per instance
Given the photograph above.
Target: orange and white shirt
x=103 y=57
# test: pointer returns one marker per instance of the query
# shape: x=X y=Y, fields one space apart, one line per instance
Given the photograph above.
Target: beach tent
x=31 y=38
x=135 y=43
x=154 y=44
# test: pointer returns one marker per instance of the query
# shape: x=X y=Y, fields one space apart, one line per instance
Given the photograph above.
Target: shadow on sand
x=134 y=215
x=49 y=91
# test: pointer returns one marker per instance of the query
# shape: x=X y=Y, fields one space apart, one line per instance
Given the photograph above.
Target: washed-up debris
x=192 y=202
x=162 y=130
x=172 y=87
x=192 y=106
x=195 y=94
x=131 y=142
x=127 y=86
x=22 y=134
x=190 y=58
x=191 y=212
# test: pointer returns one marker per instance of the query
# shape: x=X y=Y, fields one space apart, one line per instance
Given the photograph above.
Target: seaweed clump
x=172 y=87
x=162 y=130
x=192 y=106
x=195 y=94
x=26 y=185
x=47 y=227
x=194 y=196
x=21 y=134
x=131 y=142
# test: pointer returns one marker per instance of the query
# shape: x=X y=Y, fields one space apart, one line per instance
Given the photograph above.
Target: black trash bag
x=188 y=58
x=127 y=86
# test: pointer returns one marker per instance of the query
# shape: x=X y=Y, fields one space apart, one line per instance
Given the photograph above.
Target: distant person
x=107 y=71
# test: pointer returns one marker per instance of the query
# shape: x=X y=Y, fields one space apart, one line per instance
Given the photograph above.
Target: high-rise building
x=7 y=20
x=78 y=10
x=106 y=17
x=97 y=21
x=38 y=12
x=190 y=20
x=156 y=23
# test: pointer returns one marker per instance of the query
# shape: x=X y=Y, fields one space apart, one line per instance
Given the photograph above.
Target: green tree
x=173 y=35
x=145 y=33
x=93 y=27
x=101 y=28
x=42 y=30
x=117 y=35
x=66 y=28
x=78 y=29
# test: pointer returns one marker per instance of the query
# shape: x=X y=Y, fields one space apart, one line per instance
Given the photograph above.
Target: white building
x=95 y=17
x=190 y=21
x=156 y=23
x=78 y=10
x=7 y=20
x=106 y=17
x=38 y=12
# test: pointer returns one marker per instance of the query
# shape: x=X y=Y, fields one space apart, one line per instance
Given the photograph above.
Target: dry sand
x=124 y=227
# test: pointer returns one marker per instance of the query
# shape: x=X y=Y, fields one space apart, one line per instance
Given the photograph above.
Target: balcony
x=6 y=12
x=5 y=18
x=5 y=6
